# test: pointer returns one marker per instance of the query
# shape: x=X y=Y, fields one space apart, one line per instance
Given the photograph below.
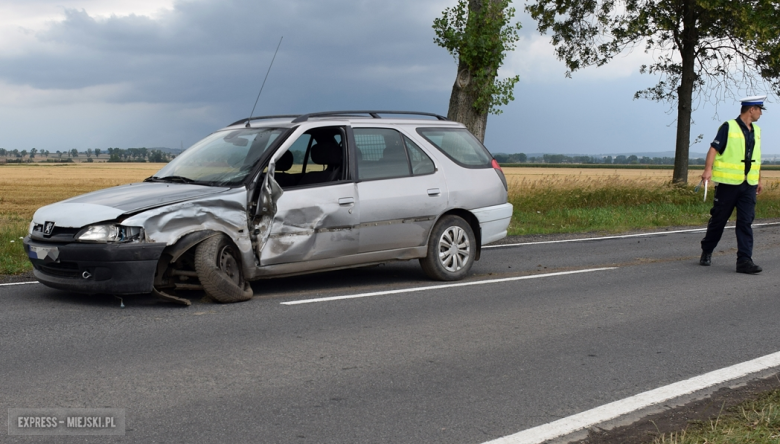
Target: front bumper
x=95 y=268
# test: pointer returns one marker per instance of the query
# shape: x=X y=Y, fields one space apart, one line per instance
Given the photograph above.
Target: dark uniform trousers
x=727 y=197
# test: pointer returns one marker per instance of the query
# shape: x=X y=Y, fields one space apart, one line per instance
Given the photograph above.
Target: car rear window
x=459 y=145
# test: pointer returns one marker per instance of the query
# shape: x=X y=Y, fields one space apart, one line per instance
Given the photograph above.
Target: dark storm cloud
x=210 y=52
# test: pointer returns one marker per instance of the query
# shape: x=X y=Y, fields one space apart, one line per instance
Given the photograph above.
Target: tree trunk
x=685 y=94
x=465 y=90
x=464 y=93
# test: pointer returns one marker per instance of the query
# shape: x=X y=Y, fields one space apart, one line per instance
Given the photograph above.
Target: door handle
x=346 y=200
x=434 y=191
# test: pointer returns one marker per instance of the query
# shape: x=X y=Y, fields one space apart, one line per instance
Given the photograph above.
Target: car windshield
x=223 y=158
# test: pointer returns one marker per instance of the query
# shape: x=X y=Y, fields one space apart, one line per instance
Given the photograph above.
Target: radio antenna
x=263 y=85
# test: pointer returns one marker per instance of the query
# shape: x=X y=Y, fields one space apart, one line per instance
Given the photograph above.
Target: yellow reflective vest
x=729 y=167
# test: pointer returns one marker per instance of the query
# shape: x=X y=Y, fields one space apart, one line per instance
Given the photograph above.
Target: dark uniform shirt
x=723 y=137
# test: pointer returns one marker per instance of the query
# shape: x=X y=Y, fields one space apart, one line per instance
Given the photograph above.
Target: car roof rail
x=372 y=113
x=280 y=116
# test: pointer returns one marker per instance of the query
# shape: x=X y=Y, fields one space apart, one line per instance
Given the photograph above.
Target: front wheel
x=451 y=250
x=218 y=265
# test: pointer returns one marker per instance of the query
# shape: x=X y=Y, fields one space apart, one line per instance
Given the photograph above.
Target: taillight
x=500 y=172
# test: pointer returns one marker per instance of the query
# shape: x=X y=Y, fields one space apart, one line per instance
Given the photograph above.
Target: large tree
x=701 y=48
x=478 y=33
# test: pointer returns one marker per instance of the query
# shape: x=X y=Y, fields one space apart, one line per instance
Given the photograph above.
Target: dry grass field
x=585 y=174
x=25 y=188
x=546 y=200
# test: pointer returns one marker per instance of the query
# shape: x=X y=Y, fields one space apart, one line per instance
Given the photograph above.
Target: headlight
x=110 y=233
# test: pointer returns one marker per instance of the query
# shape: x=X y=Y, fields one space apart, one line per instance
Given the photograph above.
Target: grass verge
x=13 y=260
x=543 y=204
x=614 y=204
x=753 y=421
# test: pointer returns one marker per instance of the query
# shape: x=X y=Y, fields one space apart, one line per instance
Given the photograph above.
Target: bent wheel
x=218 y=265
x=451 y=250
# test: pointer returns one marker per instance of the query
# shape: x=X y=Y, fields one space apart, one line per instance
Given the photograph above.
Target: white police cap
x=753 y=101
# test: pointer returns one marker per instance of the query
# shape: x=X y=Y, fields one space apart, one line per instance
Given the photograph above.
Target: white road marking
x=534 y=243
x=590 y=418
x=438 y=287
x=625 y=236
x=19 y=283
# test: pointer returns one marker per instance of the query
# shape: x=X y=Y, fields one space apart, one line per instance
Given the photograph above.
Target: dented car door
x=317 y=214
x=313 y=223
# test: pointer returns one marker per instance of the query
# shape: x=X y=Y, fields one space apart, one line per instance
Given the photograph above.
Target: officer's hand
x=706 y=175
x=759 y=188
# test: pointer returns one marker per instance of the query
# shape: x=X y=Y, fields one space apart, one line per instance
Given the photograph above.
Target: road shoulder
x=676 y=418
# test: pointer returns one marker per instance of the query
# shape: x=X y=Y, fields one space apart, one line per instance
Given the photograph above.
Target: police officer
x=734 y=163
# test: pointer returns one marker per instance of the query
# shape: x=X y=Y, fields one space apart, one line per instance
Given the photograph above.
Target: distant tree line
x=138 y=155
x=114 y=155
x=23 y=153
x=616 y=160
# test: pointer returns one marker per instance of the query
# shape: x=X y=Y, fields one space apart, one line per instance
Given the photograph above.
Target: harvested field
x=25 y=188
x=657 y=176
x=546 y=200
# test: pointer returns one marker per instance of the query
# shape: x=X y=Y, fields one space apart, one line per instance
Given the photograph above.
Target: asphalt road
x=463 y=364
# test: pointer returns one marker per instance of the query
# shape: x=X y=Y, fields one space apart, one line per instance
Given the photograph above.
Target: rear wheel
x=451 y=250
x=218 y=265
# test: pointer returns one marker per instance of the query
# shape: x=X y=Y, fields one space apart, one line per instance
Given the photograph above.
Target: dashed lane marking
x=439 y=287
x=654 y=233
x=19 y=283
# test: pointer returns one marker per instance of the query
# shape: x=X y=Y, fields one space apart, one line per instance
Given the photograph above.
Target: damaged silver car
x=281 y=196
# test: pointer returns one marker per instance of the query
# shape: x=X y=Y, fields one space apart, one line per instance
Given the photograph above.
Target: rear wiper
x=181 y=179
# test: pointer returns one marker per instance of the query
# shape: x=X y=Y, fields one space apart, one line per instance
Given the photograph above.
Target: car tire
x=218 y=265
x=451 y=250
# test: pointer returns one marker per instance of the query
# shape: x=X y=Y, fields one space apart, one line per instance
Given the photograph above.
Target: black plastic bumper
x=95 y=268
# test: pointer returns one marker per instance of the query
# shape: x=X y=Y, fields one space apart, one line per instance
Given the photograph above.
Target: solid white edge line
x=654 y=233
x=19 y=283
x=437 y=287
x=589 y=418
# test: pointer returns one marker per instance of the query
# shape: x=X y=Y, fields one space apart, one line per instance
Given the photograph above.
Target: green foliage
x=727 y=43
x=478 y=33
x=700 y=47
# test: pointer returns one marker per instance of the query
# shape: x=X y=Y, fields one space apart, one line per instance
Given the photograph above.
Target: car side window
x=421 y=163
x=316 y=157
x=381 y=154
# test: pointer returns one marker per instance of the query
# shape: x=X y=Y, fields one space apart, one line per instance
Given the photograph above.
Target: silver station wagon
x=281 y=196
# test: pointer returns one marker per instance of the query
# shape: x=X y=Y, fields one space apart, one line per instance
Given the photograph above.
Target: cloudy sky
x=164 y=73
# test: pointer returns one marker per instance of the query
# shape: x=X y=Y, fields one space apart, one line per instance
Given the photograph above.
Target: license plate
x=46 y=254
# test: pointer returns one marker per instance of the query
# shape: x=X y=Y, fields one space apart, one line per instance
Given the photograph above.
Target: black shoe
x=748 y=267
x=706 y=259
